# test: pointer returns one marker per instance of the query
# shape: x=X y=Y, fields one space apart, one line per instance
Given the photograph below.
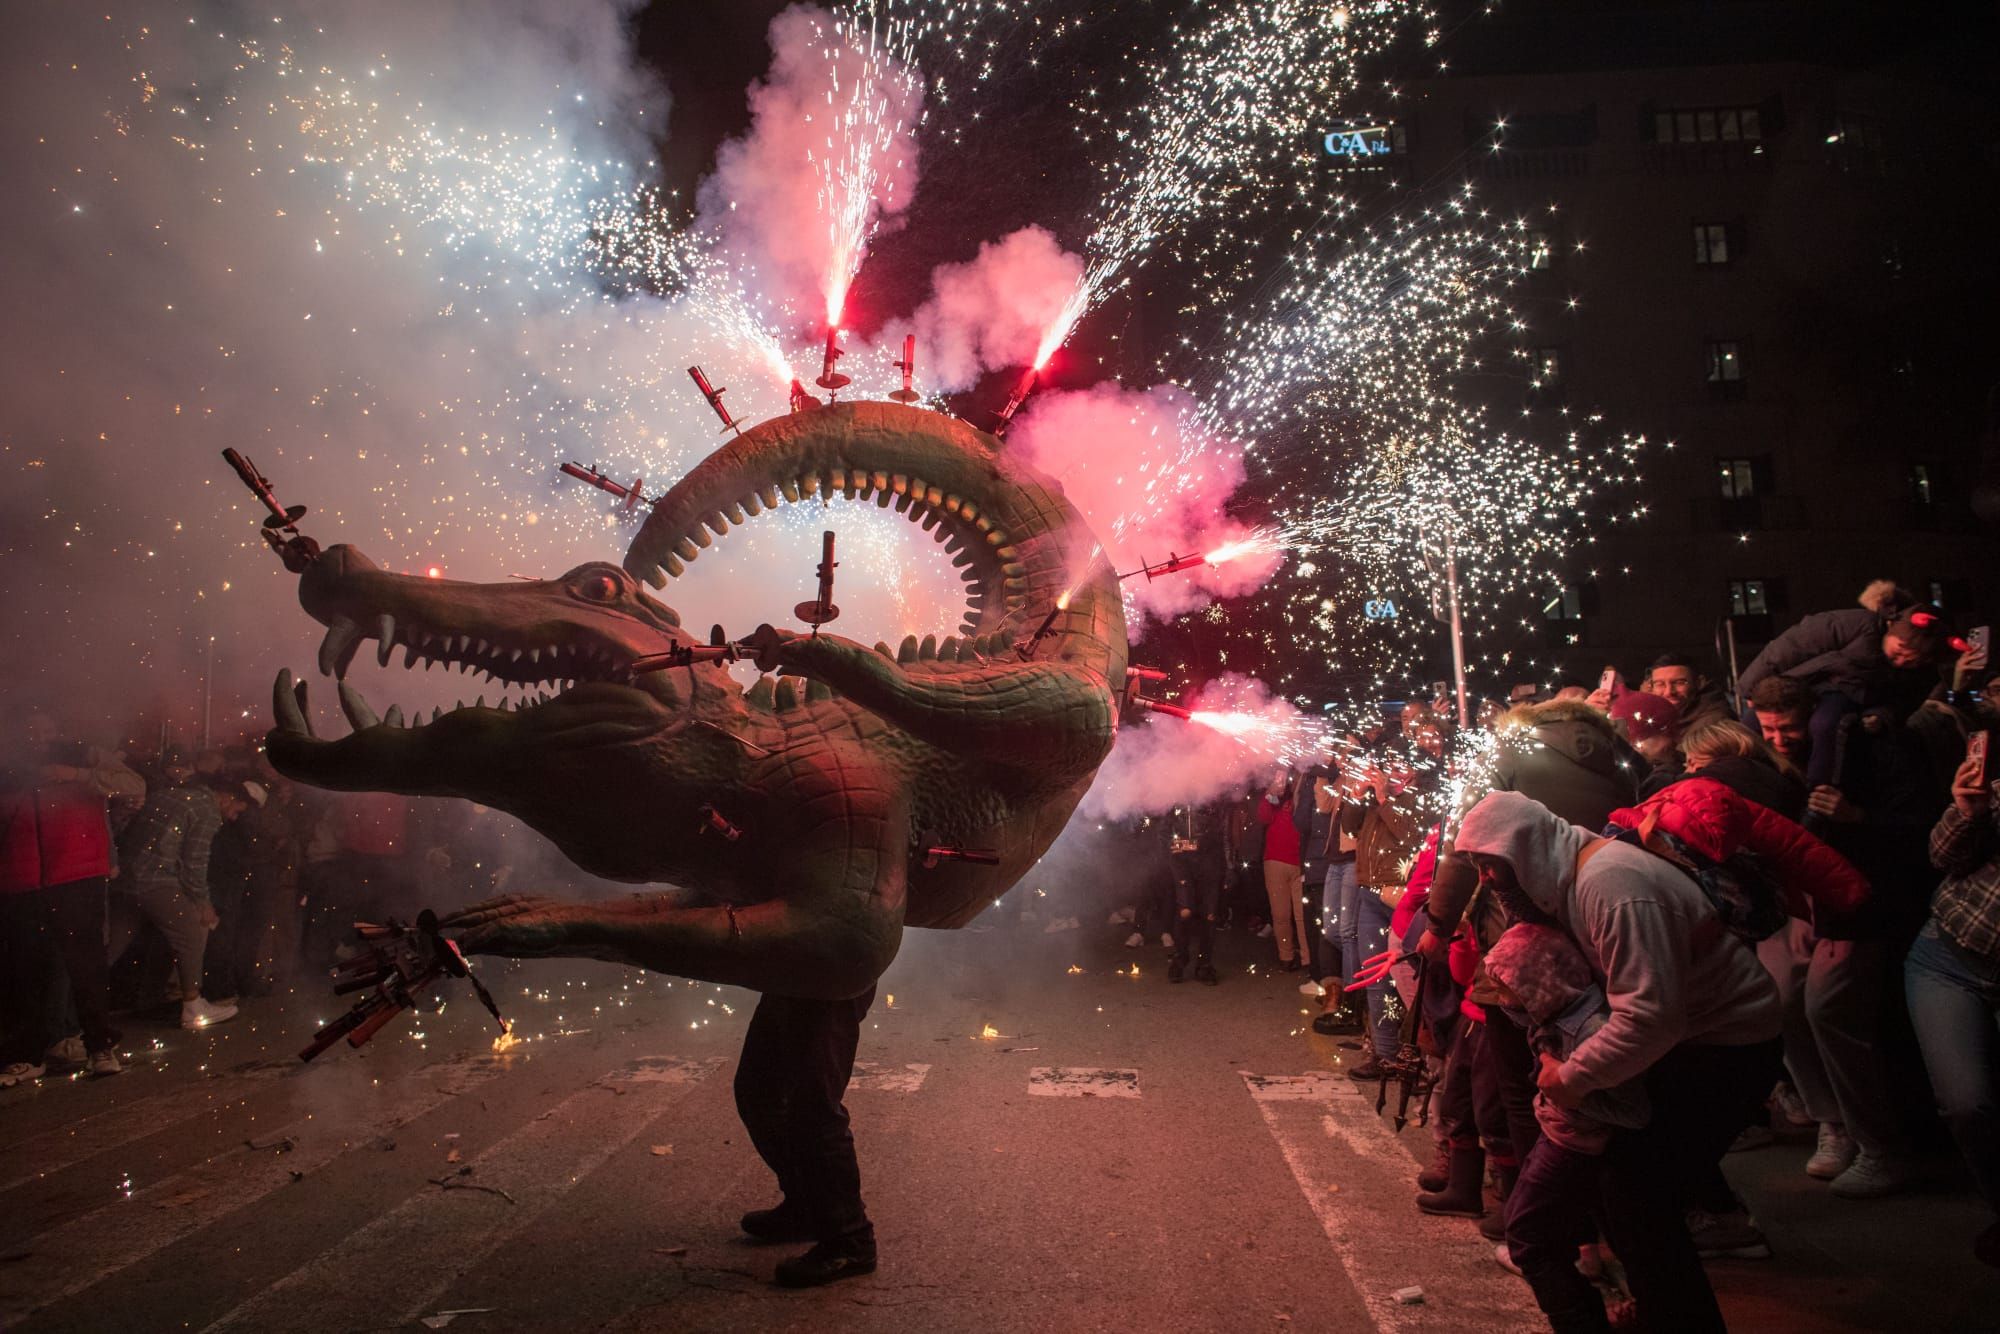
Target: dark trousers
x=797 y=1058
x=1470 y=1115
x=1197 y=895
x=1550 y=1208
x=1702 y=1097
x=50 y=933
x=1505 y=1060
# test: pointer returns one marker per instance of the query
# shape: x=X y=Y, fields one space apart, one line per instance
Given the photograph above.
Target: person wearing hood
x=1692 y=1013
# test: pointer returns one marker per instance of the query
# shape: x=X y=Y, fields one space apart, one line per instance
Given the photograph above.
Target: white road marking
x=1082 y=1082
x=89 y=1249
x=402 y=1262
x=907 y=1078
x=64 y=1147
x=1357 y=1176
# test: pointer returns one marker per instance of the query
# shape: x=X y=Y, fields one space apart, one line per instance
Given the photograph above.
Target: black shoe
x=774 y=1226
x=1341 y=1020
x=1175 y=971
x=1367 y=1070
x=1205 y=972
x=1291 y=967
x=828 y=1262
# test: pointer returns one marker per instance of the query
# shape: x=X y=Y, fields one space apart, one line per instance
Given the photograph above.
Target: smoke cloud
x=1167 y=762
x=990 y=312
x=1152 y=482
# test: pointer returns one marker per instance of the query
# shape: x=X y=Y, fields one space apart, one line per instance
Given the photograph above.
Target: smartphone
x=1980 y=637
x=1975 y=751
x=1609 y=681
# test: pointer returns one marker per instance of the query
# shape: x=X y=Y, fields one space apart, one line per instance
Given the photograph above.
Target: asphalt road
x=1121 y=1154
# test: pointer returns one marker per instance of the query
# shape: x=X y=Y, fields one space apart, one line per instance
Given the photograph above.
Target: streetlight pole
x=1457 y=629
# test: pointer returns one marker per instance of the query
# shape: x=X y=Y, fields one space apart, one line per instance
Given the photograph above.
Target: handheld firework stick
x=1407 y=1067
x=717 y=649
x=821 y=609
x=280 y=527
x=1171 y=565
x=974 y=856
x=632 y=495
x=400 y=964
x=829 y=378
x=1026 y=648
x=907 y=366
x=1017 y=398
x=714 y=397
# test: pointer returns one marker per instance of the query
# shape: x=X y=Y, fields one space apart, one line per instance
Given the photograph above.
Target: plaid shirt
x=1967 y=904
x=169 y=839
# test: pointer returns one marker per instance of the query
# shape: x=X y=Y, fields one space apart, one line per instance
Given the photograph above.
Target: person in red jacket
x=1283 y=879
x=55 y=867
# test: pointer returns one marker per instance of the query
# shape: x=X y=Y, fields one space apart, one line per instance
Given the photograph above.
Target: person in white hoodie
x=1693 y=1015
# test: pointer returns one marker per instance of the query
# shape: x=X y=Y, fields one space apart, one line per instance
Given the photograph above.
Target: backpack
x=1745 y=896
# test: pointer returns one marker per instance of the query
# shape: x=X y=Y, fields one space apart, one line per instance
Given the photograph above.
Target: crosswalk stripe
x=906 y=1078
x=1356 y=1173
x=402 y=1261
x=64 y=1147
x=89 y=1249
x=1082 y=1082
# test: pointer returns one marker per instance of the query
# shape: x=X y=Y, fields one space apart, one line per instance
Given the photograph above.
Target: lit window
x=1541 y=249
x=1563 y=605
x=1548 y=367
x=1747 y=598
x=1725 y=363
x=1711 y=243
x=1708 y=125
x=1739 y=479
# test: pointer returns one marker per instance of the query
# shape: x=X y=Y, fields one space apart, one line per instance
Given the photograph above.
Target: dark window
x=1748 y=597
x=1739 y=479
x=1920 y=484
x=1563 y=605
x=1894 y=262
x=1859 y=143
x=1725 y=363
x=1711 y=243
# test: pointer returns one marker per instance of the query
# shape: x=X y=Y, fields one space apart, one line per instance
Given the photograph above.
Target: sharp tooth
x=515 y=656
x=410 y=657
x=464 y=666
x=464 y=644
x=534 y=656
x=338 y=646
x=285 y=705
x=436 y=714
x=394 y=717
x=359 y=715
x=385 y=638
x=457 y=704
x=479 y=703
x=481 y=647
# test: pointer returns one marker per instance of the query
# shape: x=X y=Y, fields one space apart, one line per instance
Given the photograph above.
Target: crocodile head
x=616 y=767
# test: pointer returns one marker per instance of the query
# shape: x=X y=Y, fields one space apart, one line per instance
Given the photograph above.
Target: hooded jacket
x=1571 y=761
x=1717 y=822
x=1671 y=973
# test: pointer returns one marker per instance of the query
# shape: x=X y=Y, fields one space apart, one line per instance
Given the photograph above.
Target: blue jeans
x=1954 y=1000
x=1371 y=937
x=1336 y=895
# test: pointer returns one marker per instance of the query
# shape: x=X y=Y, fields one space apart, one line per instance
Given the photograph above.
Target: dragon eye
x=599 y=588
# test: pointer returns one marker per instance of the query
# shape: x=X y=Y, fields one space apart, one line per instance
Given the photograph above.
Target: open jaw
x=906 y=460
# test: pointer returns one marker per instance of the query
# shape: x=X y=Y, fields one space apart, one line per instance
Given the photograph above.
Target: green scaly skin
x=838 y=774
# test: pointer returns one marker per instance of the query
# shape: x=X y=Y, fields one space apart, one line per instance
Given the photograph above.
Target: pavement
x=1049 y=1139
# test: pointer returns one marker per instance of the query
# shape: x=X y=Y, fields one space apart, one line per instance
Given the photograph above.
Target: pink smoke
x=1164 y=762
x=991 y=311
x=1151 y=482
x=823 y=102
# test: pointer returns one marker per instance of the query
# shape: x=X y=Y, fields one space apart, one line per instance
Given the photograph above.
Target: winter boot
x=1493 y=1226
x=1460 y=1197
x=1433 y=1178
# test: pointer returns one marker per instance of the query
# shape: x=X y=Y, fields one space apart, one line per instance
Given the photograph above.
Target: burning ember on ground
x=989 y=1032
x=506 y=1041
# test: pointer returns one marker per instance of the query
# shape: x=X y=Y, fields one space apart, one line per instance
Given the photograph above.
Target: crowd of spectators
x=176 y=886
x=1656 y=923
